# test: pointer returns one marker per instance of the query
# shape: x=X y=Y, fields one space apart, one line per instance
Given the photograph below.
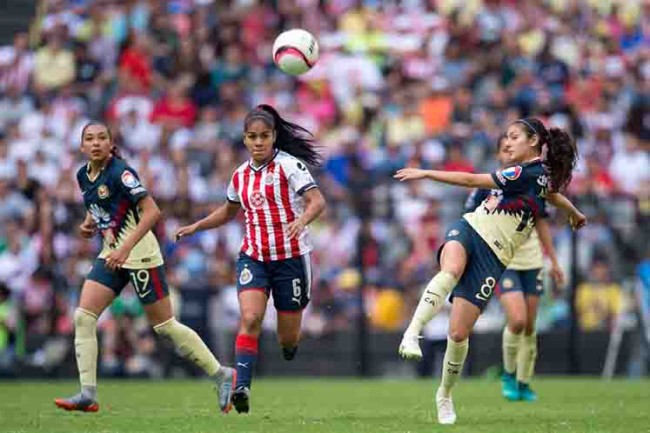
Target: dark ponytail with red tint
x=561 y=153
x=290 y=137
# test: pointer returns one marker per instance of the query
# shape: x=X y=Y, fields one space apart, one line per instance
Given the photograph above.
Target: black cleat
x=289 y=352
x=240 y=399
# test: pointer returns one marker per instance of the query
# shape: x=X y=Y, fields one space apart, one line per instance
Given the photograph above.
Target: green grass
x=333 y=406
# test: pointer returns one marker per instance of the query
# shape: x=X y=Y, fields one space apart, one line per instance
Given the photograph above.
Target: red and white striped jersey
x=271 y=196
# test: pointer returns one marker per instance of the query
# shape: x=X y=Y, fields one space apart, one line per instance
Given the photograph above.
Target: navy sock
x=245 y=358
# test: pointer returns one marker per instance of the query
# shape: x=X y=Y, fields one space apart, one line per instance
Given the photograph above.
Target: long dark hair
x=561 y=153
x=291 y=138
x=114 y=151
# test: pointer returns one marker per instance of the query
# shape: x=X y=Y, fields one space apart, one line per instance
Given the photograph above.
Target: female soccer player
x=280 y=199
x=120 y=208
x=520 y=288
x=480 y=246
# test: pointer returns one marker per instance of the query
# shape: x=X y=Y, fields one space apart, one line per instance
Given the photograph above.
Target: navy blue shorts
x=149 y=284
x=529 y=282
x=483 y=268
x=288 y=281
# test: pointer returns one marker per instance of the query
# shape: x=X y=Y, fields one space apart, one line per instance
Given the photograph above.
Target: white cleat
x=445 y=406
x=409 y=348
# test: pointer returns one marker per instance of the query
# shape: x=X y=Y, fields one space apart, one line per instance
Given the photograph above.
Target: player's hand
x=410 y=174
x=87 y=230
x=577 y=221
x=557 y=274
x=116 y=258
x=295 y=228
x=185 y=231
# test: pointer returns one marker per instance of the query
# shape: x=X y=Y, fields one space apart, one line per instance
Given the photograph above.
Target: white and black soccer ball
x=295 y=51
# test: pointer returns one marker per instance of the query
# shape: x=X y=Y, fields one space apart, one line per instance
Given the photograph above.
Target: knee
x=458 y=335
x=517 y=325
x=251 y=323
x=84 y=319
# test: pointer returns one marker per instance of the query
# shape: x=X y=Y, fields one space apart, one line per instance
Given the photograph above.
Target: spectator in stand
x=600 y=299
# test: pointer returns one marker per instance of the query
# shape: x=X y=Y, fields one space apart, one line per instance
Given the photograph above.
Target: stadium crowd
x=410 y=82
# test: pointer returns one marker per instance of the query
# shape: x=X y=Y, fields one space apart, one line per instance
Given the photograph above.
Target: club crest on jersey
x=508 y=283
x=245 y=277
x=269 y=179
x=102 y=191
x=129 y=180
x=512 y=173
x=257 y=200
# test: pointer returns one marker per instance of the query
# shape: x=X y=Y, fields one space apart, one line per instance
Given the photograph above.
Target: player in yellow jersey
x=520 y=287
x=121 y=210
x=479 y=247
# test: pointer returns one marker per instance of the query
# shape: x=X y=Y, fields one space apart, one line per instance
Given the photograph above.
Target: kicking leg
x=452 y=264
x=95 y=298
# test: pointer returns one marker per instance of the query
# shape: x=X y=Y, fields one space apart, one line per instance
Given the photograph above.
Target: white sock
x=452 y=365
x=85 y=347
x=432 y=300
x=189 y=344
x=511 y=344
x=527 y=357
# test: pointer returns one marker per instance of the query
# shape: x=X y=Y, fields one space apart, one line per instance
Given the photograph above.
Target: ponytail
x=561 y=153
x=290 y=137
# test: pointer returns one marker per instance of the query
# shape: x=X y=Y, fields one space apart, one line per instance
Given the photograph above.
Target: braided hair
x=290 y=137
x=561 y=154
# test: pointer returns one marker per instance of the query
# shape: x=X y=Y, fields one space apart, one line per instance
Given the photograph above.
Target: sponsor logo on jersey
x=257 y=200
x=137 y=190
x=129 y=180
x=245 y=277
x=102 y=191
x=512 y=173
x=269 y=179
x=453 y=233
x=301 y=166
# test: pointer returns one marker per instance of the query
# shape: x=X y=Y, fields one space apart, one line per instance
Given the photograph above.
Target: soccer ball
x=295 y=51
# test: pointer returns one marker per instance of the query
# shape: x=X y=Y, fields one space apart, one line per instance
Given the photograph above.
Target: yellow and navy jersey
x=505 y=217
x=112 y=199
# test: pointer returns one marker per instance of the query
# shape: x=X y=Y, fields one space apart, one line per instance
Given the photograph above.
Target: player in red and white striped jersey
x=280 y=199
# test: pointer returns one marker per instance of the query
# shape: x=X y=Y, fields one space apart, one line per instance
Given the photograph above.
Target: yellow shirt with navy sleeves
x=505 y=218
x=112 y=201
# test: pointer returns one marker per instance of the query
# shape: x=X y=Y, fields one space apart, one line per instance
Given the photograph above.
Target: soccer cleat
x=289 y=352
x=525 y=393
x=509 y=388
x=240 y=399
x=409 y=348
x=225 y=383
x=77 y=402
x=445 y=406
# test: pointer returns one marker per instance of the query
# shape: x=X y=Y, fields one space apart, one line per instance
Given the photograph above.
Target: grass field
x=333 y=406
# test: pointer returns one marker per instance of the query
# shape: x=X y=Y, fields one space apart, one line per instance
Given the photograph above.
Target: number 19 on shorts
x=486 y=289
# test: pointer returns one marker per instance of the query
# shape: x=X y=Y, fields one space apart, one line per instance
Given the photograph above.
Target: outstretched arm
x=459 y=178
x=224 y=213
x=544 y=231
x=576 y=218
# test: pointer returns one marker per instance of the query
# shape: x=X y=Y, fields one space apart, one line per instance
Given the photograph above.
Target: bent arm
x=314 y=205
x=576 y=218
x=149 y=216
x=224 y=213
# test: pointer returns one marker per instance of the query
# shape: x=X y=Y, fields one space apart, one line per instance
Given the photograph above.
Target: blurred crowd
x=430 y=83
